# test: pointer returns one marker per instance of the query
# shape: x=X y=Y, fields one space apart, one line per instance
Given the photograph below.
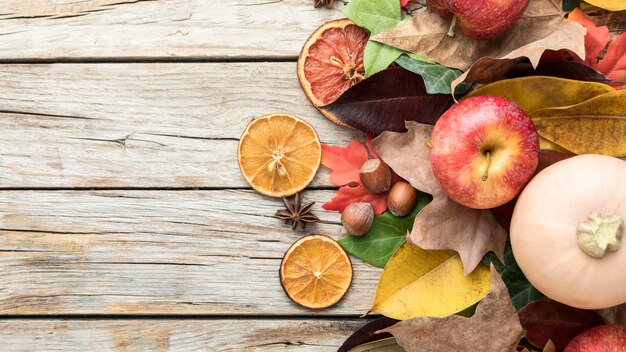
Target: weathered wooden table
x=125 y=222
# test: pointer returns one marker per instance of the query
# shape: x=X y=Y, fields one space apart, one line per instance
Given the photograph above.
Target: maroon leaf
x=368 y=333
x=385 y=100
x=546 y=320
x=562 y=69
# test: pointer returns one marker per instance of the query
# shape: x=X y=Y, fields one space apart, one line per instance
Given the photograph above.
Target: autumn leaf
x=596 y=126
x=560 y=69
x=546 y=320
x=611 y=5
x=614 y=62
x=367 y=334
x=387 y=233
x=539 y=92
x=596 y=38
x=345 y=163
x=494 y=327
x=386 y=100
x=443 y=224
x=569 y=36
x=417 y=283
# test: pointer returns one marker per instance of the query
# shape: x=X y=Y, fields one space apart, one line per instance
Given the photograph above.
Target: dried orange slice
x=279 y=154
x=315 y=272
x=331 y=61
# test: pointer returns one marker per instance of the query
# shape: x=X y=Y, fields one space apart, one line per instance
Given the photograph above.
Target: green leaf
x=376 y=16
x=569 y=5
x=378 y=57
x=520 y=290
x=437 y=78
x=385 y=236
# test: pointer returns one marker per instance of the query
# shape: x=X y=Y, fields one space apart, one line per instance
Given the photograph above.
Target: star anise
x=320 y=3
x=297 y=214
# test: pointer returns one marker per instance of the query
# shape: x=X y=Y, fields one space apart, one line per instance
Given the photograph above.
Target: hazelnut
x=357 y=218
x=401 y=199
x=375 y=176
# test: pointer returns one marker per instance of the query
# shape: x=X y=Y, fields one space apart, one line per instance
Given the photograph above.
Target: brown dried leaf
x=426 y=35
x=568 y=35
x=443 y=224
x=494 y=327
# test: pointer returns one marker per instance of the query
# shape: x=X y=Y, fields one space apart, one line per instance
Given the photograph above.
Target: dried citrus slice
x=331 y=61
x=279 y=154
x=315 y=272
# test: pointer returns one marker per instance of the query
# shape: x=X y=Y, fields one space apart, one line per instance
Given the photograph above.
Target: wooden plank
x=151 y=252
x=176 y=335
x=141 y=125
x=139 y=29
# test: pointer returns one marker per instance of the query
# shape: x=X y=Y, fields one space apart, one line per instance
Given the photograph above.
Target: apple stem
x=485 y=175
x=451 y=29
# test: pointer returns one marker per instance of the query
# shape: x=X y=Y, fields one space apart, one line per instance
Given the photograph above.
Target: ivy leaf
x=569 y=5
x=437 y=78
x=376 y=16
x=387 y=233
x=345 y=163
x=521 y=291
x=386 y=100
x=546 y=320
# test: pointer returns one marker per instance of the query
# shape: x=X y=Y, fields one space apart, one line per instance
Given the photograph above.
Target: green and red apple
x=480 y=19
x=483 y=151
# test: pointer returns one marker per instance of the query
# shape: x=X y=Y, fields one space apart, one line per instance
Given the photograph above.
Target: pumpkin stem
x=599 y=234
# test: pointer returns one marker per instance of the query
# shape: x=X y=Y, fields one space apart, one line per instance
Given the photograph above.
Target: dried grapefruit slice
x=331 y=61
x=315 y=272
x=279 y=154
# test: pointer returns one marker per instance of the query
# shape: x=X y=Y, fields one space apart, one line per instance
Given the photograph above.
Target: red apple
x=480 y=19
x=603 y=338
x=483 y=151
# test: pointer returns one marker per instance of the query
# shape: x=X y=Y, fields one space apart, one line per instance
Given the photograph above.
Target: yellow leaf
x=596 y=126
x=419 y=283
x=613 y=5
x=539 y=92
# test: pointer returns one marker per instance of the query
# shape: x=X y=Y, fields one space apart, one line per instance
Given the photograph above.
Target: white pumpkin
x=567 y=230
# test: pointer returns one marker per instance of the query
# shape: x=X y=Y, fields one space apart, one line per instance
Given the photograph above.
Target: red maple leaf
x=613 y=65
x=345 y=163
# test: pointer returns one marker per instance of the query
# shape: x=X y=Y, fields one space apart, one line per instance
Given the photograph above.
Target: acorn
x=357 y=218
x=401 y=199
x=375 y=176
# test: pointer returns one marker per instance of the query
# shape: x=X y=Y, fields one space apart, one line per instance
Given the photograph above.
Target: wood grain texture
x=155 y=252
x=162 y=29
x=141 y=125
x=224 y=335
